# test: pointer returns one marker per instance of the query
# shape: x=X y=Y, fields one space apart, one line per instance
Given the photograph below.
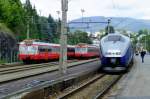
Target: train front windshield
x=80 y=50
x=23 y=49
x=114 y=38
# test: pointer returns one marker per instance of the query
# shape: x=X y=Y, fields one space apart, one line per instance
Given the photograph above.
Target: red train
x=33 y=51
x=83 y=50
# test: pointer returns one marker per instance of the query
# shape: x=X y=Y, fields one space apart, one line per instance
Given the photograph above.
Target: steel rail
x=107 y=88
x=48 y=83
x=35 y=70
x=100 y=76
x=11 y=68
x=6 y=65
x=23 y=68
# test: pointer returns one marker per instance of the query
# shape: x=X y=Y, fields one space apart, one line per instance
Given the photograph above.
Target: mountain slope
x=129 y=24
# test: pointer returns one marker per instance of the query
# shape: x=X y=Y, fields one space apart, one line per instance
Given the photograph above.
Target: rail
x=81 y=86
x=49 y=83
x=106 y=89
x=99 y=92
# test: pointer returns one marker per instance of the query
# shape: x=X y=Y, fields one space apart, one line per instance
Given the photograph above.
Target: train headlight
x=108 y=53
x=113 y=53
x=118 y=53
x=113 y=60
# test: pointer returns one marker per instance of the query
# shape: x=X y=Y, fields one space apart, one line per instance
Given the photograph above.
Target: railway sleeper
x=54 y=90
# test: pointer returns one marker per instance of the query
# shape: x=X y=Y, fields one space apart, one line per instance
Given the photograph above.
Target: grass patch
x=2 y=61
x=6 y=30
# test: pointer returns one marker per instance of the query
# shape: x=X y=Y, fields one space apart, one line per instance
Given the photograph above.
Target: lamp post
x=63 y=38
x=82 y=11
x=58 y=22
x=58 y=13
x=109 y=25
x=28 y=31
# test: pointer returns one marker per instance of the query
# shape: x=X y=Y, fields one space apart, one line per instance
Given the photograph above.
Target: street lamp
x=82 y=11
x=58 y=13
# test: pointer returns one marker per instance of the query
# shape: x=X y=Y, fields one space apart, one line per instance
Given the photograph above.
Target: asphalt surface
x=16 y=85
x=135 y=84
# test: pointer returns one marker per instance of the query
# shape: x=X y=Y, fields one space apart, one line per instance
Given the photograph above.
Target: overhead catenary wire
x=115 y=7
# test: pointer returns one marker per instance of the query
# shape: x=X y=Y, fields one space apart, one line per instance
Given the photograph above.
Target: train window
x=77 y=49
x=70 y=49
x=114 y=38
x=23 y=49
x=41 y=50
x=44 y=49
x=82 y=50
x=90 y=49
x=56 y=49
x=49 y=50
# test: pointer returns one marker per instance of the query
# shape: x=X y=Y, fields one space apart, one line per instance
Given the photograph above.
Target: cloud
x=121 y=8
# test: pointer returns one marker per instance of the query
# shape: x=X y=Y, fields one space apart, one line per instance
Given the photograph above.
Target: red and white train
x=83 y=50
x=33 y=51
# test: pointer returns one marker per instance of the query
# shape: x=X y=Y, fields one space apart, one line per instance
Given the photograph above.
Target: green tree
x=78 y=37
x=12 y=14
x=17 y=16
x=32 y=19
x=53 y=29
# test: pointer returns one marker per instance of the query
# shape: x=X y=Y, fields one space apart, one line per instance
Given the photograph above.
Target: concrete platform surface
x=135 y=84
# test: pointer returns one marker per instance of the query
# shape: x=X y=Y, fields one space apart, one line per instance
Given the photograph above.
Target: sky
x=139 y=9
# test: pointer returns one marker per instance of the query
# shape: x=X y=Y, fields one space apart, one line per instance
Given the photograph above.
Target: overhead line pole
x=109 y=26
x=29 y=18
x=82 y=11
x=63 y=38
x=28 y=31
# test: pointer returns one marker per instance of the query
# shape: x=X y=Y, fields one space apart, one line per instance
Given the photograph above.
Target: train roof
x=30 y=42
x=85 y=45
x=115 y=37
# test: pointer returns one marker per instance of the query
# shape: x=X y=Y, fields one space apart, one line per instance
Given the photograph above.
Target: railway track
x=94 y=88
x=23 y=68
x=17 y=72
x=6 y=65
x=11 y=68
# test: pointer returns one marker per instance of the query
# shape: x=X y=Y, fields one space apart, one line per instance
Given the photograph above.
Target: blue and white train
x=116 y=52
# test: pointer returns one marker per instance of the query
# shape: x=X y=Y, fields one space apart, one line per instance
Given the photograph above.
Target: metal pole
x=108 y=26
x=63 y=38
x=82 y=11
x=58 y=13
x=28 y=29
x=145 y=41
x=58 y=27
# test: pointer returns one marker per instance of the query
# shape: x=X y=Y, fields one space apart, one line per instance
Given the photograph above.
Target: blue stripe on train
x=124 y=61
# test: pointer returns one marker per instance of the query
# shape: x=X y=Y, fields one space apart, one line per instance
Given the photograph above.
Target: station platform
x=136 y=83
